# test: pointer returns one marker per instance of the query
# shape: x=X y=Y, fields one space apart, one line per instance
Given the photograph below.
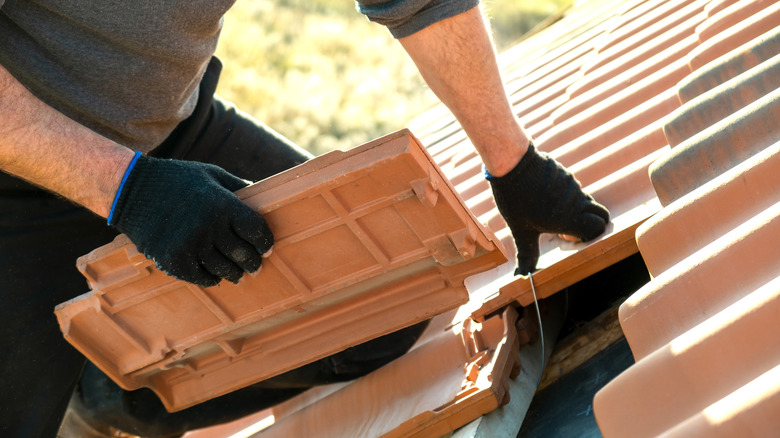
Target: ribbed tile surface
x=705 y=330
x=686 y=92
x=593 y=89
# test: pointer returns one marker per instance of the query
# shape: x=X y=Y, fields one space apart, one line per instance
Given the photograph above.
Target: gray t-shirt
x=130 y=70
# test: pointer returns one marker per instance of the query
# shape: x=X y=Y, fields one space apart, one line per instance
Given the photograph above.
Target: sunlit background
x=322 y=75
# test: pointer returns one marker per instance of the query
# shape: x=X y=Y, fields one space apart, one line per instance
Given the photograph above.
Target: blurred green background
x=321 y=74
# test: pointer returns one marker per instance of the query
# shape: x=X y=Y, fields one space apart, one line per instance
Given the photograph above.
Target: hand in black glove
x=184 y=216
x=540 y=196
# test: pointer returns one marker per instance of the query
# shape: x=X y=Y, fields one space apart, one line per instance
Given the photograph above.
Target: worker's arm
x=183 y=215
x=457 y=59
x=533 y=192
x=46 y=148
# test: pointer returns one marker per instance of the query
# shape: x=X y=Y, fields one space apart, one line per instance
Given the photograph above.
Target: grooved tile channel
x=704 y=330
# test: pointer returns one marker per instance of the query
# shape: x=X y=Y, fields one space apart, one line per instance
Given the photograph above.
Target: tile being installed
x=704 y=330
x=367 y=242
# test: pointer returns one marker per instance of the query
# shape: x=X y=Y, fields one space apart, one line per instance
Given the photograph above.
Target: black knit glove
x=540 y=196
x=184 y=216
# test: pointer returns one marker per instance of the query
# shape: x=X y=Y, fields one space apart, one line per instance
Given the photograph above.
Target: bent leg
x=41 y=236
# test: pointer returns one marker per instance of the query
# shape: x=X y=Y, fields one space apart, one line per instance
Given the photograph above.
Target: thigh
x=41 y=237
x=102 y=403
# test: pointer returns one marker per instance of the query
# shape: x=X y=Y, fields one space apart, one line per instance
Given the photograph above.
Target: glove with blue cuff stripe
x=184 y=216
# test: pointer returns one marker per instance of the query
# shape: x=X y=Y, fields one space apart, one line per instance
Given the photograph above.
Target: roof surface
x=667 y=112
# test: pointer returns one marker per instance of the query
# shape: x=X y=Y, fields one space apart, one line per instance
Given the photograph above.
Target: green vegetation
x=319 y=73
x=511 y=19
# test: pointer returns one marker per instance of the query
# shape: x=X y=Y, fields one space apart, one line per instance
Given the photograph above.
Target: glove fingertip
x=203 y=280
x=208 y=283
x=598 y=210
x=199 y=276
x=253 y=264
x=593 y=226
x=525 y=265
x=255 y=230
x=234 y=278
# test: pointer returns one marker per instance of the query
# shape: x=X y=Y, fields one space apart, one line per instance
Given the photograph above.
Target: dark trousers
x=42 y=235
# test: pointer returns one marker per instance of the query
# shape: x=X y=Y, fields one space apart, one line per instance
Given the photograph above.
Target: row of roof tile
x=704 y=330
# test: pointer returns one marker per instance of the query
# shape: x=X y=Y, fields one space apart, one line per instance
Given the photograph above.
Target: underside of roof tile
x=367 y=242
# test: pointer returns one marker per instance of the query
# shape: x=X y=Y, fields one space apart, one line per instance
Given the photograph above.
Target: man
x=112 y=107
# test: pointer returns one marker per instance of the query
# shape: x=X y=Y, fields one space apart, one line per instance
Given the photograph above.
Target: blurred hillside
x=319 y=73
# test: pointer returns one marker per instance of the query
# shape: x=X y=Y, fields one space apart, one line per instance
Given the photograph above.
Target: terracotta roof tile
x=716 y=148
x=337 y=209
x=697 y=368
x=736 y=62
x=749 y=411
x=696 y=219
x=703 y=330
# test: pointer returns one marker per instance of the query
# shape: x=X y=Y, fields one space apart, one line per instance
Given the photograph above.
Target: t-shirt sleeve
x=405 y=17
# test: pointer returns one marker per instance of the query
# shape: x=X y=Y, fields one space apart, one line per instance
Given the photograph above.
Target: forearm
x=457 y=59
x=46 y=148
